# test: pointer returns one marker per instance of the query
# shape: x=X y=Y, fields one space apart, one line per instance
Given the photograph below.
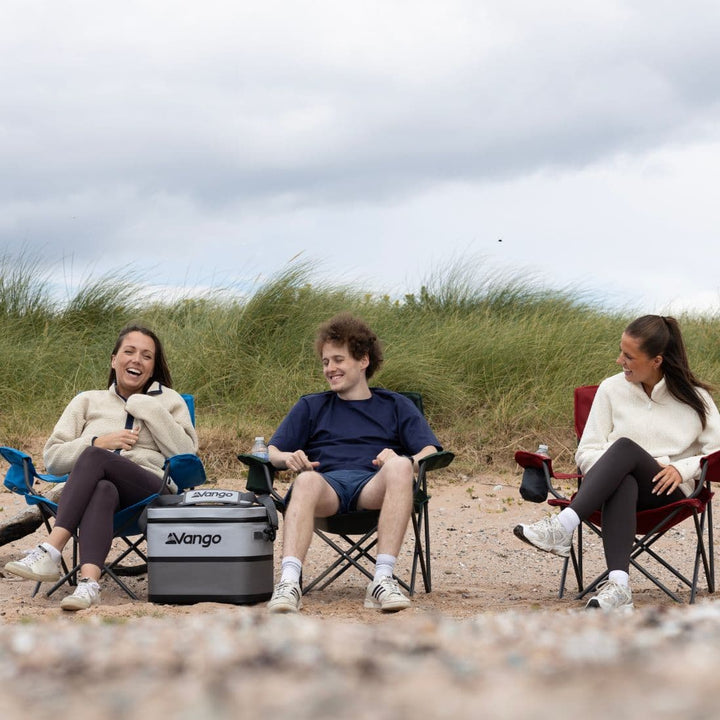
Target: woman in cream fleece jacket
x=647 y=430
x=113 y=443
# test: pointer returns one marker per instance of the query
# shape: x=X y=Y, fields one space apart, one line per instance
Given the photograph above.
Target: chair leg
x=108 y=571
x=563 y=577
x=579 y=559
x=710 y=548
x=576 y=558
x=421 y=549
x=701 y=553
x=428 y=577
x=109 y=568
x=347 y=558
x=577 y=565
x=590 y=587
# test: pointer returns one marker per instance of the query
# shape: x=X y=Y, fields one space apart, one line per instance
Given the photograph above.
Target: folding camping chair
x=337 y=530
x=651 y=525
x=186 y=470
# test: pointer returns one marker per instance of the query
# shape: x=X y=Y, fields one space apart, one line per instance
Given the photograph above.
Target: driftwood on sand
x=26 y=521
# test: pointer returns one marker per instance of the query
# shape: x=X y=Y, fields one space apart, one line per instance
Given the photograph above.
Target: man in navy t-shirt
x=353 y=447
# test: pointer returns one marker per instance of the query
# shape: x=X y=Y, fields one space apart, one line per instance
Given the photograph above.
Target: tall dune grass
x=495 y=357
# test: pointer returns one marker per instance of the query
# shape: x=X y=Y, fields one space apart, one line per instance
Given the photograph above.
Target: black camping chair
x=353 y=535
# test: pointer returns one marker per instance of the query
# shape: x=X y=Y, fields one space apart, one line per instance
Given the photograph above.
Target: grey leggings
x=100 y=483
x=620 y=483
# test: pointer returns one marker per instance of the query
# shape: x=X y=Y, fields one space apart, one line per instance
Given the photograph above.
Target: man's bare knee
x=399 y=475
x=311 y=493
x=308 y=483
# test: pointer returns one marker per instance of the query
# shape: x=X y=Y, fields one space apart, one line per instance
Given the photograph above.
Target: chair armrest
x=533 y=460
x=186 y=470
x=543 y=463
x=435 y=461
x=21 y=473
x=261 y=476
x=710 y=468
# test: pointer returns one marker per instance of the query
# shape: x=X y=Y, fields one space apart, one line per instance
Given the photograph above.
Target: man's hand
x=384 y=455
x=667 y=480
x=298 y=461
x=121 y=440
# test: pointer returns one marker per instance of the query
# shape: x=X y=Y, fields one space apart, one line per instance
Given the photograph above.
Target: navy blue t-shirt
x=349 y=434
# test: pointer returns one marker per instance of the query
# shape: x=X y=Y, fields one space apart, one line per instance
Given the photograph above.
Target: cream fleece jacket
x=161 y=416
x=666 y=428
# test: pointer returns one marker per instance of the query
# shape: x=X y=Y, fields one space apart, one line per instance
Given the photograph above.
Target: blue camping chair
x=186 y=470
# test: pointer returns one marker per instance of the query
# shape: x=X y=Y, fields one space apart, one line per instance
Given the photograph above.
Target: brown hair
x=346 y=329
x=161 y=371
x=659 y=335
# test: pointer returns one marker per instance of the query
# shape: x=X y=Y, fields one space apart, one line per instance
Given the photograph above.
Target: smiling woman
x=113 y=442
x=137 y=359
x=646 y=432
x=134 y=363
x=637 y=365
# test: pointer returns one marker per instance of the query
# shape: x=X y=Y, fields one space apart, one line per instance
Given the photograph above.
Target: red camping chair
x=651 y=524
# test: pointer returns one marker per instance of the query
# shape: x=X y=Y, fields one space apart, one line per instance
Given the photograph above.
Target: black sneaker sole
x=518 y=532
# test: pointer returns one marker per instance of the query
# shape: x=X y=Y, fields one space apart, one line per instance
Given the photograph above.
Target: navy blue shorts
x=348 y=485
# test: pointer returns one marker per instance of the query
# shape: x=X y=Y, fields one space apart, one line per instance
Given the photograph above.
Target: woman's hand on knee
x=667 y=480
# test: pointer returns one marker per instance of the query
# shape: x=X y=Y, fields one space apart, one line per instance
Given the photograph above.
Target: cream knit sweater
x=666 y=428
x=161 y=416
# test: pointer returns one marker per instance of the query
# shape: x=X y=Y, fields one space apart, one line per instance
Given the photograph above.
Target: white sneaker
x=546 y=534
x=611 y=596
x=86 y=593
x=385 y=595
x=286 y=598
x=36 y=565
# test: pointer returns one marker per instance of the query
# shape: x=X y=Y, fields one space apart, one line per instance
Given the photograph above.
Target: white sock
x=620 y=577
x=54 y=552
x=291 y=569
x=569 y=519
x=384 y=566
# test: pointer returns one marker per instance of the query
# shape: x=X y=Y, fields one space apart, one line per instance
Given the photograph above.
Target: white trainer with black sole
x=286 y=598
x=385 y=595
x=547 y=534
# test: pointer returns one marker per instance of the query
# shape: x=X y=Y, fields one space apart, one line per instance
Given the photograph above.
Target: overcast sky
x=208 y=143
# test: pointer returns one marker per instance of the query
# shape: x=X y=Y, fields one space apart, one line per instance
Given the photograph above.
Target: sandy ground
x=489 y=640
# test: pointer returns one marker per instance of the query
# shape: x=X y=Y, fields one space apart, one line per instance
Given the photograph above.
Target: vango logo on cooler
x=193 y=539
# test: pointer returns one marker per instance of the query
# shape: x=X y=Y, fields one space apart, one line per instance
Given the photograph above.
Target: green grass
x=495 y=358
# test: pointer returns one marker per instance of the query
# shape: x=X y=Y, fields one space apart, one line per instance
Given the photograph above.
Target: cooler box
x=210 y=546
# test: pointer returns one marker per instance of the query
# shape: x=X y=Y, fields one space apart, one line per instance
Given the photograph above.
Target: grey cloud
x=163 y=123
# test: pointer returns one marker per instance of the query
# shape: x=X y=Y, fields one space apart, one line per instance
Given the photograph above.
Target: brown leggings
x=100 y=483
x=620 y=483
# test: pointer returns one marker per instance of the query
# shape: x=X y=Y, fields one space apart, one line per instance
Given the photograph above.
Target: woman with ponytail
x=647 y=430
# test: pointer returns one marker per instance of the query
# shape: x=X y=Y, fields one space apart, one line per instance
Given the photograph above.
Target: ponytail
x=660 y=335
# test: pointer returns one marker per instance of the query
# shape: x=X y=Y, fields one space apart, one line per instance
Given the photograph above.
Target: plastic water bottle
x=543 y=450
x=260 y=449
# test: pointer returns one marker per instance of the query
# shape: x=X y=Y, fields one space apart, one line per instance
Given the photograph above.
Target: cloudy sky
x=207 y=144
